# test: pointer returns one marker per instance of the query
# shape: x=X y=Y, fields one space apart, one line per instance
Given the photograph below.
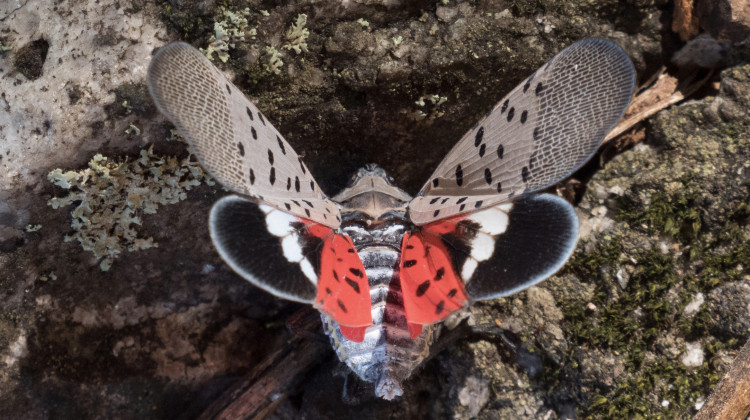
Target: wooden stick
x=730 y=399
x=665 y=91
x=269 y=383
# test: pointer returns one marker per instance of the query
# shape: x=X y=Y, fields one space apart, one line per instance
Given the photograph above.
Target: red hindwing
x=343 y=290
x=431 y=288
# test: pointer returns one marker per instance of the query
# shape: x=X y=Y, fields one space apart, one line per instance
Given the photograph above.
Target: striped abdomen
x=387 y=355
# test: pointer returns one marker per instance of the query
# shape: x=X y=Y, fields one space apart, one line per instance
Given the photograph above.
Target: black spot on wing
x=241 y=148
x=488 y=176
x=539 y=89
x=482 y=150
x=439 y=274
x=422 y=288
x=252 y=177
x=511 y=113
x=435 y=183
x=270 y=157
x=296 y=183
x=357 y=272
x=410 y=263
x=500 y=151
x=459 y=175
x=281 y=145
x=249 y=113
x=254 y=133
x=537 y=133
x=342 y=306
x=272 y=176
x=478 y=137
x=440 y=307
x=353 y=284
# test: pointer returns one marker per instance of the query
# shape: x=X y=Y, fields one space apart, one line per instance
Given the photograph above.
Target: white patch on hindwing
x=308 y=270
x=493 y=222
x=280 y=224
x=292 y=249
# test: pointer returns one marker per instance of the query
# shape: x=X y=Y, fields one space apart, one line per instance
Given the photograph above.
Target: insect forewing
x=541 y=132
x=230 y=136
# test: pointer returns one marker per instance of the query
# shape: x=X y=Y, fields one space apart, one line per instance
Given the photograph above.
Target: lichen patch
x=110 y=197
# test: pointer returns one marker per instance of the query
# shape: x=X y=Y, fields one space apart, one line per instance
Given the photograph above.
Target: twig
x=262 y=390
x=665 y=91
x=731 y=397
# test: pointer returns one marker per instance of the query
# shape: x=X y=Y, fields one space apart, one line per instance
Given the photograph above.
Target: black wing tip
x=237 y=229
x=525 y=255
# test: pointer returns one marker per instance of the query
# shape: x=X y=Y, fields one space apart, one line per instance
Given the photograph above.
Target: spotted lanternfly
x=384 y=268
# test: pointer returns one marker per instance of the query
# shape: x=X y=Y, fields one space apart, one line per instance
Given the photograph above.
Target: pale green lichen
x=174 y=135
x=397 y=40
x=4 y=48
x=297 y=35
x=435 y=112
x=132 y=129
x=231 y=27
x=363 y=22
x=110 y=198
x=264 y=13
x=46 y=277
x=33 y=228
x=274 y=61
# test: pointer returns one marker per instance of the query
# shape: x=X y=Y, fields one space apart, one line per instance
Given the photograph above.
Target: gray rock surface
x=168 y=328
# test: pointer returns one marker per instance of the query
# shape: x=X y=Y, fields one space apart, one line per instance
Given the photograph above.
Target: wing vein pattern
x=231 y=137
x=541 y=132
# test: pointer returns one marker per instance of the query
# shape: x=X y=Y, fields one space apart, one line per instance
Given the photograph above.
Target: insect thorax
x=374 y=218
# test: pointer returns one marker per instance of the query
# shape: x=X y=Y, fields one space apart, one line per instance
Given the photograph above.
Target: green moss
x=187 y=19
x=631 y=322
x=29 y=60
x=133 y=97
x=588 y=265
x=680 y=386
x=677 y=215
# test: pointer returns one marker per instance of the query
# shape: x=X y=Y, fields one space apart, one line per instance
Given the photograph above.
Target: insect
x=382 y=267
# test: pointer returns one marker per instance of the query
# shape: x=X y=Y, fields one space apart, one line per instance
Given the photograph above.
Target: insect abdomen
x=387 y=355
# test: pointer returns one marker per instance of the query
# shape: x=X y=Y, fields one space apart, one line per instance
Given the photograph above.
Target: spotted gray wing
x=231 y=137
x=541 y=132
